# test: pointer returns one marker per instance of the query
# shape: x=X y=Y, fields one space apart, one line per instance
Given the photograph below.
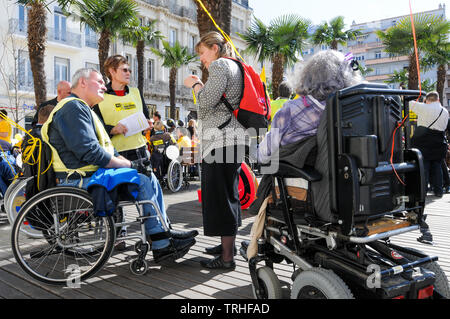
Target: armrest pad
x=287 y=170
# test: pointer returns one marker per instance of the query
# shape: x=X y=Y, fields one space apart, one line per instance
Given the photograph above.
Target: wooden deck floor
x=185 y=278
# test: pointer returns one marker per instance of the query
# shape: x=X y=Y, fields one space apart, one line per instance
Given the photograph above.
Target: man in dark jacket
x=81 y=145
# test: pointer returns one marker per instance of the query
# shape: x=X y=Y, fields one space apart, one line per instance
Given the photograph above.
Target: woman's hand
x=191 y=80
x=119 y=129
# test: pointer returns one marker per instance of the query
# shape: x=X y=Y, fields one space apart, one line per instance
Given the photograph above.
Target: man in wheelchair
x=343 y=185
x=80 y=145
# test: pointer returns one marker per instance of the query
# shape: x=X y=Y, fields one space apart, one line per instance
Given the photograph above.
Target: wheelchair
x=73 y=243
x=166 y=167
x=365 y=187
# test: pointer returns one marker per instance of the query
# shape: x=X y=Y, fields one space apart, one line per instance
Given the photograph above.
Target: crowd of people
x=84 y=128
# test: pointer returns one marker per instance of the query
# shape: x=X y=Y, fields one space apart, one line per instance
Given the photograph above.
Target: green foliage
x=134 y=32
x=333 y=33
x=174 y=56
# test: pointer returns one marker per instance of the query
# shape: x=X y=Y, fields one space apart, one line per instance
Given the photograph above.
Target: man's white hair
x=84 y=73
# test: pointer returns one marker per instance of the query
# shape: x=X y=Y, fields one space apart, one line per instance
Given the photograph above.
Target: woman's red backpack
x=254 y=108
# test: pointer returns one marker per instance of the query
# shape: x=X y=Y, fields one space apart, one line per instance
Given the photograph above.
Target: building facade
x=368 y=50
x=71 y=46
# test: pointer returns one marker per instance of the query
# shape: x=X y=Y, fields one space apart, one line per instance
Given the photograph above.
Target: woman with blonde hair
x=222 y=151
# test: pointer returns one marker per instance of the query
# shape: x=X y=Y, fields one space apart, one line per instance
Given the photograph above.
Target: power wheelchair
x=69 y=242
x=365 y=187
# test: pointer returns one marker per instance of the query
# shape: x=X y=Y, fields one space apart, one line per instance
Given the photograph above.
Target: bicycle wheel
x=75 y=243
x=175 y=176
x=14 y=198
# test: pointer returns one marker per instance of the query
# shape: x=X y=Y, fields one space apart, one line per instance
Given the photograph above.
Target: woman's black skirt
x=221 y=207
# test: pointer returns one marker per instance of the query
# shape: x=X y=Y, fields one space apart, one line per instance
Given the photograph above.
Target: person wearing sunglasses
x=121 y=101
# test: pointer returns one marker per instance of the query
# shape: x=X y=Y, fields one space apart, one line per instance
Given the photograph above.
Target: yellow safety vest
x=275 y=106
x=115 y=108
x=103 y=139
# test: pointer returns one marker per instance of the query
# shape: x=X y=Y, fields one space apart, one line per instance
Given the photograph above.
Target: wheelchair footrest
x=383 y=225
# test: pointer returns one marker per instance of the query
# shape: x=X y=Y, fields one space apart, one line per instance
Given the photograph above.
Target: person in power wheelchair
x=80 y=145
x=165 y=166
x=341 y=189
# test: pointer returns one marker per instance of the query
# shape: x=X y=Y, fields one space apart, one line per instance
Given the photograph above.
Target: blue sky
x=353 y=10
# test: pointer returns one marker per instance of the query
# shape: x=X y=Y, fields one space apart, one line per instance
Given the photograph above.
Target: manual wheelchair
x=166 y=167
x=69 y=242
x=365 y=187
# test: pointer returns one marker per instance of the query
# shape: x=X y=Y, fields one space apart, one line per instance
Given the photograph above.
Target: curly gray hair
x=324 y=73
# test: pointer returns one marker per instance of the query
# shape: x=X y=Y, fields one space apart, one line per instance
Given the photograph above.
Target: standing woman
x=222 y=149
x=120 y=102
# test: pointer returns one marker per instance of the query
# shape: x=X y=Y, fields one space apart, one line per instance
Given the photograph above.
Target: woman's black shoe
x=177 y=249
x=217 y=250
x=218 y=263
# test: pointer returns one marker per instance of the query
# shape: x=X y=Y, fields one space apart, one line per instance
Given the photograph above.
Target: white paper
x=135 y=123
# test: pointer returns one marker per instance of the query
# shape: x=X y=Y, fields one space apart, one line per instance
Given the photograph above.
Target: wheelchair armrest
x=287 y=170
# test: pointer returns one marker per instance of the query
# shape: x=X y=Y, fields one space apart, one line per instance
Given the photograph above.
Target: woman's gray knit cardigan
x=224 y=77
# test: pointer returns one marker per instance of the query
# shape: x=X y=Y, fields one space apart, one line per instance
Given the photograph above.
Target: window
x=90 y=38
x=25 y=77
x=151 y=70
x=60 y=32
x=192 y=43
x=23 y=18
x=92 y=65
x=135 y=69
x=177 y=113
x=378 y=55
x=62 y=70
x=152 y=109
x=129 y=59
x=173 y=37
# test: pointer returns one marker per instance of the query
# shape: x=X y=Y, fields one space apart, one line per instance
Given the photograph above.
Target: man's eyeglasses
x=125 y=70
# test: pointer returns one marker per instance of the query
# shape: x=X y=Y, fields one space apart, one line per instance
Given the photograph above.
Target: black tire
x=441 y=284
x=319 y=283
x=175 y=176
x=74 y=239
x=269 y=284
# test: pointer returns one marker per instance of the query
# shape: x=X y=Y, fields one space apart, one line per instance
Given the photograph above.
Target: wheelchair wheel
x=14 y=199
x=441 y=284
x=269 y=284
x=75 y=243
x=319 y=283
x=175 y=176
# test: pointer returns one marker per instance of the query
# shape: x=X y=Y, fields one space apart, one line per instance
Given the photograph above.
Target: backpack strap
x=225 y=101
x=436 y=118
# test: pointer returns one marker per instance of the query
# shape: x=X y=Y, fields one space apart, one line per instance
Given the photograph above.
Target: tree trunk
x=220 y=10
x=413 y=78
x=37 y=35
x=441 y=82
x=103 y=51
x=172 y=92
x=334 y=45
x=277 y=73
x=140 y=58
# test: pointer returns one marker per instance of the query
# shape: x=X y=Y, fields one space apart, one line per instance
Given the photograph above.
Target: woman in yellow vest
x=120 y=102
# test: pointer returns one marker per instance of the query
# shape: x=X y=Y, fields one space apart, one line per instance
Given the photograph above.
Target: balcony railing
x=73 y=39
x=182 y=11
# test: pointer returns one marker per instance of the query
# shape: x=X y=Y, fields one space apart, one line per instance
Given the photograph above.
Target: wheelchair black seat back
x=357 y=137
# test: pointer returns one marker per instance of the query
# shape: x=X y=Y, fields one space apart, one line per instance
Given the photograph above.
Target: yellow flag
x=263 y=75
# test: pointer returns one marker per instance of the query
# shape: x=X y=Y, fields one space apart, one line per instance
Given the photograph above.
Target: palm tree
x=139 y=36
x=220 y=10
x=37 y=36
x=280 y=42
x=400 y=77
x=106 y=17
x=438 y=52
x=174 y=57
x=398 y=40
x=333 y=33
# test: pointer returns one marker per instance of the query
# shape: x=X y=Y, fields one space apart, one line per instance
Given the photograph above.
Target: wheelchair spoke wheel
x=74 y=245
x=14 y=199
x=175 y=176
